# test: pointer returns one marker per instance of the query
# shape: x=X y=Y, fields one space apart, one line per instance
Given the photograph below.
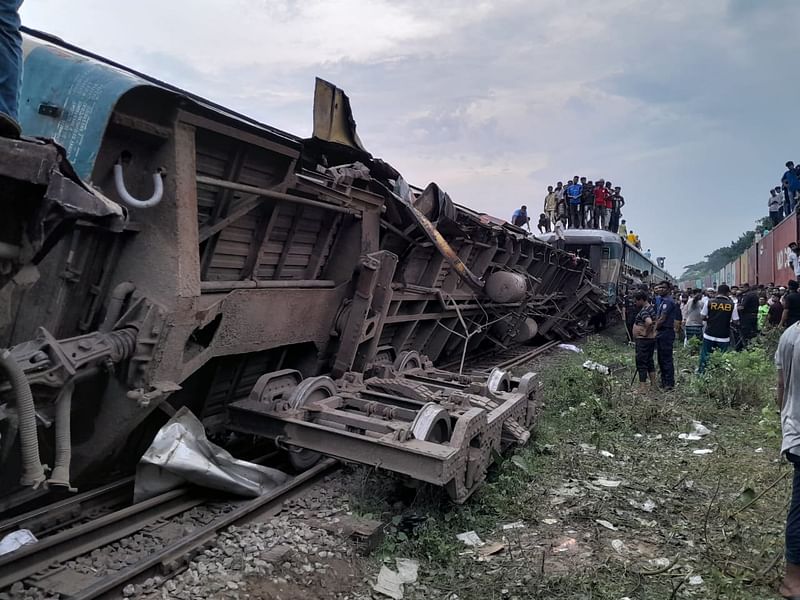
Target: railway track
x=103 y=518
x=44 y=564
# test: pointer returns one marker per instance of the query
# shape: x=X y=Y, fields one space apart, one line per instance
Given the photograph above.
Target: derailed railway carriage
x=169 y=253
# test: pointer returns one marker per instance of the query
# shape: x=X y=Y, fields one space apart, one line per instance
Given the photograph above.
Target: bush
x=737 y=378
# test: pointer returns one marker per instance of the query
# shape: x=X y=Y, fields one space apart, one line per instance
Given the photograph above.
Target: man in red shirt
x=601 y=201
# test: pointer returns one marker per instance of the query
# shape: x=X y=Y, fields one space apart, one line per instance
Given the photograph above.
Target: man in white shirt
x=794 y=263
x=788 y=397
x=775 y=205
x=558 y=230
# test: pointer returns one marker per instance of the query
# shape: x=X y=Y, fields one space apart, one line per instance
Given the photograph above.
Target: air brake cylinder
x=505 y=287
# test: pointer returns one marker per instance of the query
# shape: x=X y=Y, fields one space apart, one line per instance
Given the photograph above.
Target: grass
x=719 y=516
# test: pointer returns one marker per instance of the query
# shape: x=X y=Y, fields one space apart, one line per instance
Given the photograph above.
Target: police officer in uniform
x=668 y=312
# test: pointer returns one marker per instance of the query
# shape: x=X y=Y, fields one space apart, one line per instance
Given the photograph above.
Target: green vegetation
x=673 y=516
x=722 y=256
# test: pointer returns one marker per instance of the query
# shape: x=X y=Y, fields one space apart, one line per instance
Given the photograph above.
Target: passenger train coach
x=765 y=262
x=617 y=263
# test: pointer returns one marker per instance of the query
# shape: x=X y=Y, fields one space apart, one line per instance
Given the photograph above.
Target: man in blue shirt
x=792 y=183
x=668 y=312
x=574 y=198
x=520 y=217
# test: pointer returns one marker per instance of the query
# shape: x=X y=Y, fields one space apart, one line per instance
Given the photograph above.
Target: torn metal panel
x=181 y=453
x=333 y=117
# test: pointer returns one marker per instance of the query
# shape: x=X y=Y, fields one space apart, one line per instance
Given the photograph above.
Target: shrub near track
x=676 y=525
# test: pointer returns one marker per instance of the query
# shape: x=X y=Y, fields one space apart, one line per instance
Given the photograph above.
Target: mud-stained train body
x=213 y=262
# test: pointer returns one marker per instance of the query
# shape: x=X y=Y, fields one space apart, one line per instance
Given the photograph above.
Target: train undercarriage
x=173 y=254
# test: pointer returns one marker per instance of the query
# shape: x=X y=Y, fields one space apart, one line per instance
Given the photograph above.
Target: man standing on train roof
x=10 y=67
x=587 y=204
x=775 y=205
x=791 y=182
x=623 y=229
x=520 y=217
x=574 y=191
x=647 y=254
x=550 y=204
x=617 y=202
x=668 y=314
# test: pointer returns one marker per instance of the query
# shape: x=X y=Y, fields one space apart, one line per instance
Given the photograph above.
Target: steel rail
x=523 y=358
x=174 y=552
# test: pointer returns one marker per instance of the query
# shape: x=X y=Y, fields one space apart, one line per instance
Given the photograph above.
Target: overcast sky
x=690 y=106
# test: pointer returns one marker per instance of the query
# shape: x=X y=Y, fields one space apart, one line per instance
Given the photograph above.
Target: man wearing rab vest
x=668 y=313
x=718 y=313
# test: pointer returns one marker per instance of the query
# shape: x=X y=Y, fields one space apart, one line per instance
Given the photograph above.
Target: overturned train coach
x=166 y=252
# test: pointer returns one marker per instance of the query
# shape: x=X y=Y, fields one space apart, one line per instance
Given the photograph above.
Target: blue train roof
x=68 y=94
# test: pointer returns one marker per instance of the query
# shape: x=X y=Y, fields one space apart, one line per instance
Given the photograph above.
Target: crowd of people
x=783 y=199
x=580 y=204
x=722 y=318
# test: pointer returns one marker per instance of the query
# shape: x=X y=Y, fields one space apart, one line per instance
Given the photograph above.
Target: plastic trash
x=595 y=366
x=15 y=540
x=470 y=538
x=571 y=348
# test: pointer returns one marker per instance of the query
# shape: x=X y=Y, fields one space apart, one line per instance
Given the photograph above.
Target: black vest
x=720 y=311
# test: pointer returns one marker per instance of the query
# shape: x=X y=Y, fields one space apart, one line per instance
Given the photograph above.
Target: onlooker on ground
x=791 y=305
x=788 y=398
x=668 y=314
x=10 y=67
x=775 y=205
x=574 y=191
x=775 y=310
x=718 y=313
x=748 y=313
x=544 y=224
x=623 y=229
x=550 y=204
x=520 y=217
x=763 y=311
x=693 y=318
x=644 y=337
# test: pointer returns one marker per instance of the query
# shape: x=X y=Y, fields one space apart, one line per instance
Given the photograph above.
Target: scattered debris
x=549 y=521
x=390 y=583
x=646 y=506
x=618 y=546
x=566 y=545
x=695 y=580
x=605 y=524
x=606 y=454
x=16 y=539
x=490 y=549
x=699 y=431
x=470 y=538
x=595 y=366
x=759 y=450
x=703 y=451
x=659 y=562
x=571 y=348
x=514 y=525
x=609 y=483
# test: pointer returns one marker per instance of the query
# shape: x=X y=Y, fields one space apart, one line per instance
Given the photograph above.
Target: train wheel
x=308 y=391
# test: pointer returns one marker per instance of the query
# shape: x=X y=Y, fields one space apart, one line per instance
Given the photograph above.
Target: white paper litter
x=606 y=453
x=571 y=348
x=407 y=569
x=659 y=562
x=595 y=366
x=605 y=524
x=470 y=538
x=609 y=483
x=759 y=450
x=514 y=525
x=16 y=539
x=389 y=584
x=700 y=429
x=695 y=580
x=703 y=451
x=549 y=521
x=587 y=447
x=689 y=437
x=618 y=546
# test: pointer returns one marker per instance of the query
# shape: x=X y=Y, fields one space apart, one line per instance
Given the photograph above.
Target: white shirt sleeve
x=735 y=315
x=704 y=310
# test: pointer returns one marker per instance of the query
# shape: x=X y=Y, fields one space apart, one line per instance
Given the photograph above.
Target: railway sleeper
x=431 y=425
